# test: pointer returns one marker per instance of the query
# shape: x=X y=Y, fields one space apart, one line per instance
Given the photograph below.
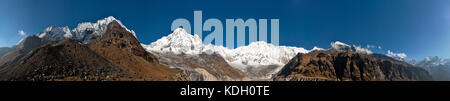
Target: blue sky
x=418 y=28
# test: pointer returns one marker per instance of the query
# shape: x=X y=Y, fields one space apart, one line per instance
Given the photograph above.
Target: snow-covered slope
x=178 y=42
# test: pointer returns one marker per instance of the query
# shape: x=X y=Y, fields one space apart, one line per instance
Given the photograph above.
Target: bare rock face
x=332 y=65
x=63 y=60
x=122 y=48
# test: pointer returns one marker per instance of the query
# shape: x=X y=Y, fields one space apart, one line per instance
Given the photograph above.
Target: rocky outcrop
x=332 y=65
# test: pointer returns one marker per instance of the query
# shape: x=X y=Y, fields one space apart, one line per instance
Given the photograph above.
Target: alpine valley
x=107 y=51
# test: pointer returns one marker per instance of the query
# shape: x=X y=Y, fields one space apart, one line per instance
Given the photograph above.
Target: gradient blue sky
x=418 y=28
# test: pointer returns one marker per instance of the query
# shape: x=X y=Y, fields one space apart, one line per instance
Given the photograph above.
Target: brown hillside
x=122 y=48
x=63 y=60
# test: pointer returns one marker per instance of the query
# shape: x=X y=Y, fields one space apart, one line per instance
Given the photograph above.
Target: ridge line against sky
x=418 y=28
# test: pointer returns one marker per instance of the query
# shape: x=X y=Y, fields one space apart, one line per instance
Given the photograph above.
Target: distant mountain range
x=107 y=50
x=438 y=68
x=259 y=60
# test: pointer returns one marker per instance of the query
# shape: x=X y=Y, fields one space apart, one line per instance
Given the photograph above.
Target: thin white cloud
x=22 y=33
x=373 y=46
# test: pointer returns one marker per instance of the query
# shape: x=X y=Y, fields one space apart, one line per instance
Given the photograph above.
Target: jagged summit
x=178 y=42
x=89 y=32
x=85 y=32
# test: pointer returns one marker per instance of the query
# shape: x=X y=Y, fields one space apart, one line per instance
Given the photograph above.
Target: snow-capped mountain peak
x=54 y=33
x=177 y=42
x=89 y=32
x=256 y=53
x=85 y=32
